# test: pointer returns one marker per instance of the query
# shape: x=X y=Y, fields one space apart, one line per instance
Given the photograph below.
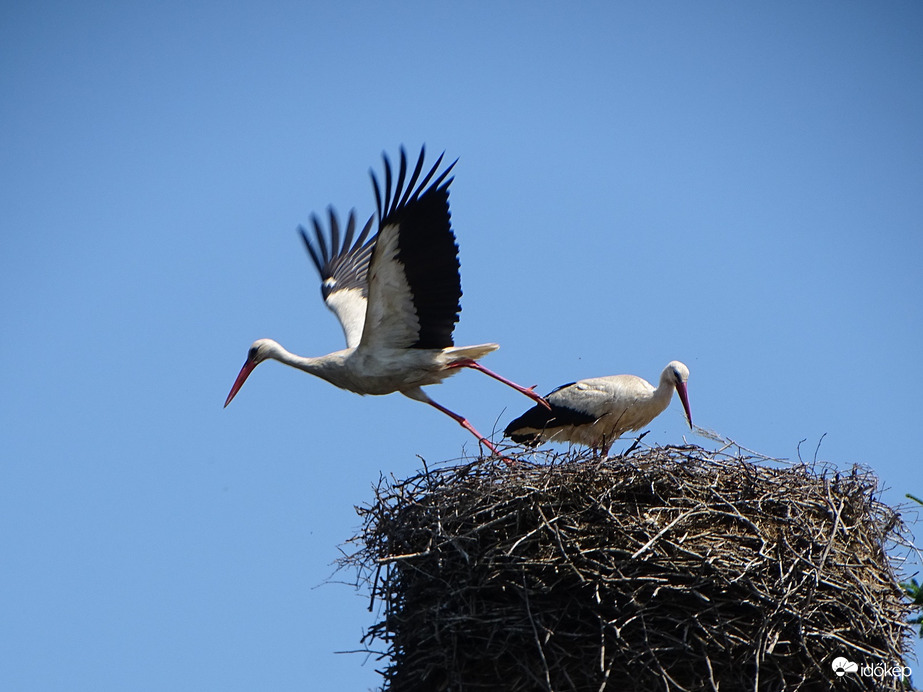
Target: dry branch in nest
x=672 y=568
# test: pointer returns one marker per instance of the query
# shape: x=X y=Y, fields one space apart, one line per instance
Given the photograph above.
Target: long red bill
x=239 y=382
x=683 y=397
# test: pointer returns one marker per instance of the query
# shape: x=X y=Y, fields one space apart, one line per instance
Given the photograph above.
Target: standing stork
x=597 y=411
x=396 y=297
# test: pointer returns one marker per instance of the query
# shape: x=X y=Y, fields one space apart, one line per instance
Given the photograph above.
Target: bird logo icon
x=841 y=666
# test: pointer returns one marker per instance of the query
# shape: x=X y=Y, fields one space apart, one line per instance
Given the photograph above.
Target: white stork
x=597 y=411
x=396 y=297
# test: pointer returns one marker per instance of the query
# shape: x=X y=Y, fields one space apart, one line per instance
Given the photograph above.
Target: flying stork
x=396 y=297
x=597 y=411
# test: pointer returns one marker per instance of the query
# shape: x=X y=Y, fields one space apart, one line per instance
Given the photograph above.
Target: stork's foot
x=506 y=460
x=462 y=421
x=530 y=392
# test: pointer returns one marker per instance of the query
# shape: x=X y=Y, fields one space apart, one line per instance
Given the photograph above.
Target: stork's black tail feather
x=536 y=418
x=528 y=428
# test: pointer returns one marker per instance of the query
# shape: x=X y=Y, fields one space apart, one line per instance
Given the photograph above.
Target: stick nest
x=673 y=568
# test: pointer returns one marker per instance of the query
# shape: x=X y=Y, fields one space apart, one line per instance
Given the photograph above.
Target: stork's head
x=678 y=374
x=260 y=350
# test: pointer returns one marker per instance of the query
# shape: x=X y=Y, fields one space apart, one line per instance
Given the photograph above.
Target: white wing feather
x=343 y=271
x=391 y=320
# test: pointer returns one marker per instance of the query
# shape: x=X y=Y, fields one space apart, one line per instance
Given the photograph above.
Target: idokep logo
x=842 y=666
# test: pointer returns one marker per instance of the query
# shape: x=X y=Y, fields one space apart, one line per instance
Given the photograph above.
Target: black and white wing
x=343 y=269
x=572 y=405
x=414 y=281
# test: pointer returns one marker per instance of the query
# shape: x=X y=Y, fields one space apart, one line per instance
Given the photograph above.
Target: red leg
x=528 y=391
x=467 y=426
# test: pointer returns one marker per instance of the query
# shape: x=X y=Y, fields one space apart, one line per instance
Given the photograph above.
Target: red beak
x=239 y=382
x=684 y=397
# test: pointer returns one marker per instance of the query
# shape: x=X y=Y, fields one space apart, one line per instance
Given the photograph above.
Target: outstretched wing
x=343 y=270
x=414 y=281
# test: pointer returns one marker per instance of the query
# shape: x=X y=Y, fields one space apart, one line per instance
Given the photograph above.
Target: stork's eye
x=251 y=354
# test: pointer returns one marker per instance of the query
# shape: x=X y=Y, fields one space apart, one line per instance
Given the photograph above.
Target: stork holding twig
x=597 y=411
x=396 y=297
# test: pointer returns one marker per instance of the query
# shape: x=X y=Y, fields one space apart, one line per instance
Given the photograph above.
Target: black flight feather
x=347 y=264
x=426 y=246
x=540 y=418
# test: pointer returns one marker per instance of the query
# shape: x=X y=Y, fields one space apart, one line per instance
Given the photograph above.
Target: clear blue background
x=735 y=185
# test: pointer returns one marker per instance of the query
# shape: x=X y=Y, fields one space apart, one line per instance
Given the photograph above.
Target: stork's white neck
x=665 y=387
x=324 y=367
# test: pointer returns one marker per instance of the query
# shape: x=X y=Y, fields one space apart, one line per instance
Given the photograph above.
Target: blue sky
x=734 y=185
